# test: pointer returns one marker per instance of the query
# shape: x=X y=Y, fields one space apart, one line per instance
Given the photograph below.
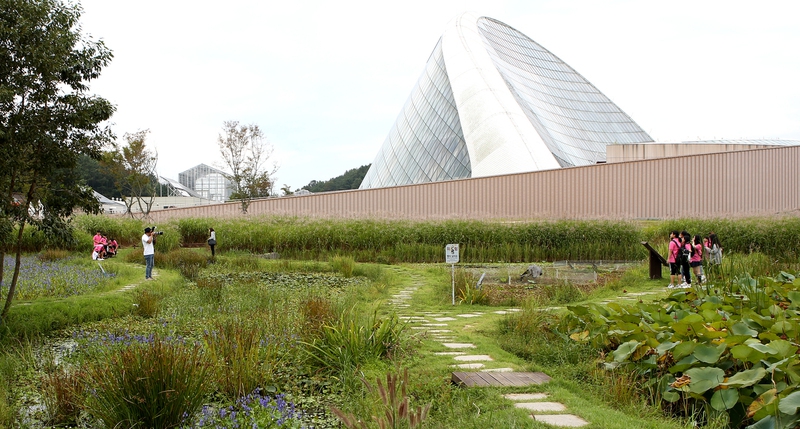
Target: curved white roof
x=492 y=101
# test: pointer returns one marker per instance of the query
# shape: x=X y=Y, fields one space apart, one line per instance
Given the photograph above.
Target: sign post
x=451 y=257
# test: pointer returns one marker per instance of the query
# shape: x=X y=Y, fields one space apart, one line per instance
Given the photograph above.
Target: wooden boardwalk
x=481 y=379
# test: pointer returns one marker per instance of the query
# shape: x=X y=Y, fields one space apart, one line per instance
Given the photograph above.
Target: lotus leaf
x=711 y=315
x=790 y=403
x=783 y=348
x=683 y=349
x=640 y=353
x=683 y=364
x=763 y=348
x=665 y=346
x=578 y=310
x=794 y=296
x=724 y=399
x=782 y=327
x=704 y=379
x=625 y=350
x=784 y=277
x=765 y=423
x=763 y=406
x=709 y=354
x=580 y=336
x=746 y=378
x=671 y=396
x=741 y=328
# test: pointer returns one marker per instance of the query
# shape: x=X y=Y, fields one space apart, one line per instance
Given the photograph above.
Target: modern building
x=492 y=101
x=206 y=182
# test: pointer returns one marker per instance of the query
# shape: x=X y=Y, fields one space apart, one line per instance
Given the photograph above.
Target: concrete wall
x=740 y=183
x=638 y=152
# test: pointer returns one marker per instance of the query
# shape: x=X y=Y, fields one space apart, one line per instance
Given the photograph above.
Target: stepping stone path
x=542 y=410
x=551 y=413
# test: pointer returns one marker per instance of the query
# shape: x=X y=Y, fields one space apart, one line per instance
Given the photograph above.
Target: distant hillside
x=351 y=179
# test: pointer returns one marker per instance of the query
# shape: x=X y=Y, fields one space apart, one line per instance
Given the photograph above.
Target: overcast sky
x=325 y=80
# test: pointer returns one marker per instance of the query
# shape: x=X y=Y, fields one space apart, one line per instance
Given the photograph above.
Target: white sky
x=325 y=80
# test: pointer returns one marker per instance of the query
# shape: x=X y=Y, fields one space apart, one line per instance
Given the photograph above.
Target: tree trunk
x=13 y=286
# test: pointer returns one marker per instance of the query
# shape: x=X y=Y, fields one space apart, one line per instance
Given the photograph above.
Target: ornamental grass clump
x=63 y=394
x=395 y=409
x=343 y=265
x=151 y=385
x=241 y=356
x=353 y=340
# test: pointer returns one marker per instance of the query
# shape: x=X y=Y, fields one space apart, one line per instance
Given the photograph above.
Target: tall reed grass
x=152 y=385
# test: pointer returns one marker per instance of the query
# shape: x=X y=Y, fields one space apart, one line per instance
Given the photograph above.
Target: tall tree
x=134 y=169
x=47 y=120
x=245 y=154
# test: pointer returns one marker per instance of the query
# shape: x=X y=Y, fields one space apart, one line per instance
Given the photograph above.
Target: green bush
x=151 y=385
x=343 y=265
x=354 y=340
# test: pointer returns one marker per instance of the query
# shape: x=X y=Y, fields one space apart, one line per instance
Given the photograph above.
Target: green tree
x=245 y=153
x=351 y=179
x=98 y=175
x=134 y=169
x=48 y=120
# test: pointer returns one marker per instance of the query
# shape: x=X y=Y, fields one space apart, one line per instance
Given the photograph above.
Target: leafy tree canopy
x=47 y=120
x=351 y=179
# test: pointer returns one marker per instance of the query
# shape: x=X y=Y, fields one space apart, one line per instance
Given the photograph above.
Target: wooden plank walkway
x=481 y=379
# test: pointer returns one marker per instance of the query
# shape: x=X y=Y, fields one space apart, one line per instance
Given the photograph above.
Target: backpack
x=683 y=255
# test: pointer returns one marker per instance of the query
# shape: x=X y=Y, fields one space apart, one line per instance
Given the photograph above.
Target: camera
x=153 y=228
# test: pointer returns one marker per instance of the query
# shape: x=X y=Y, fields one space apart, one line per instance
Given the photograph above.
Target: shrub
x=154 y=384
x=187 y=261
x=343 y=265
x=317 y=312
x=353 y=340
x=146 y=303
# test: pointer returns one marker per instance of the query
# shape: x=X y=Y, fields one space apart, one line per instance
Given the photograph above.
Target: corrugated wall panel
x=741 y=183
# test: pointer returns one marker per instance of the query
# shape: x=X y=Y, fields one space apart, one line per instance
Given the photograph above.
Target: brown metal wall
x=742 y=183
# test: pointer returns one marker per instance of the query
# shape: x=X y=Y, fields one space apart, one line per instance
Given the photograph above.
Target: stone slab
x=459 y=345
x=438 y=331
x=482 y=379
x=561 y=420
x=498 y=370
x=468 y=315
x=449 y=353
x=473 y=358
x=518 y=397
x=541 y=406
x=469 y=365
x=444 y=319
x=434 y=325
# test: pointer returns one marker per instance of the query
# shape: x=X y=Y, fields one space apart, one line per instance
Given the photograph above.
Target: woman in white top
x=212 y=240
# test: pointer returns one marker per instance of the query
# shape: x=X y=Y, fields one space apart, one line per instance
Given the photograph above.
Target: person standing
x=674 y=267
x=148 y=244
x=696 y=261
x=212 y=240
x=686 y=244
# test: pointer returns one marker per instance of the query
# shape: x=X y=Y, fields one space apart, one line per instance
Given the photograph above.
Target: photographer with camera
x=148 y=244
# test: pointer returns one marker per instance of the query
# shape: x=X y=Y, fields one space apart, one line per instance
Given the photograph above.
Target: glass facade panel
x=428 y=135
x=206 y=181
x=575 y=120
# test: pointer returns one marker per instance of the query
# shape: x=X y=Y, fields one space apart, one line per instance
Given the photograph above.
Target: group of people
x=149 y=249
x=686 y=256
x=104 y=247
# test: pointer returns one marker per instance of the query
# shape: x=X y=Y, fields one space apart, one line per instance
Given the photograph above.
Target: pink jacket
x=698 y=253
x=673 y=251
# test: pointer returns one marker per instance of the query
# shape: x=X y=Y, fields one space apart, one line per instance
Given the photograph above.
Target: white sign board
x=451 y=253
